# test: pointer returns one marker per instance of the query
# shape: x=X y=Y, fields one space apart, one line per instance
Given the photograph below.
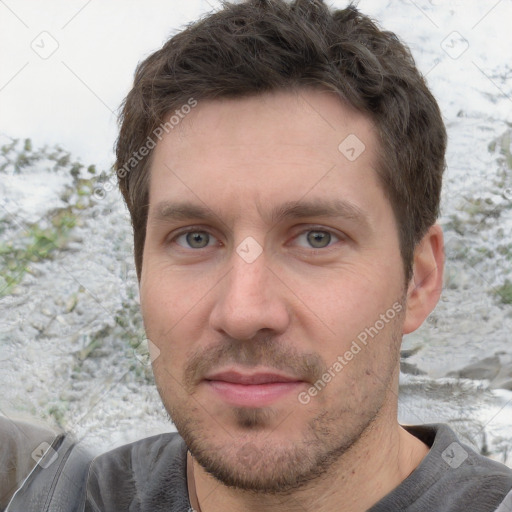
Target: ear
x=427 y=281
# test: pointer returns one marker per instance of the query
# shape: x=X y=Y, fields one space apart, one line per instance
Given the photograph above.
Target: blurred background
x=72 y=346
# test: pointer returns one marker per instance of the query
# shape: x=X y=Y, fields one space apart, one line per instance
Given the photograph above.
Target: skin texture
x=252 y=291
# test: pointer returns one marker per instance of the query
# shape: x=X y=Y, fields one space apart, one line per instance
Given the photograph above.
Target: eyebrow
x=167 y=211
x=320 y=208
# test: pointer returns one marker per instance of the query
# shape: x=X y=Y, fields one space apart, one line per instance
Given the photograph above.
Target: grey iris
x=319 y=239
x=198 y=239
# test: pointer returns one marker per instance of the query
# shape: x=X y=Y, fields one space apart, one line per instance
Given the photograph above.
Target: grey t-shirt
x=451 y=478
x=506 y=504
x=41 y=470
x=150 y=475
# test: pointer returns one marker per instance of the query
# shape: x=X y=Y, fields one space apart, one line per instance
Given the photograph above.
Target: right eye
x=195 y=239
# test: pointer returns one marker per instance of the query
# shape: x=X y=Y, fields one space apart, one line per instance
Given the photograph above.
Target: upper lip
x=261 y=377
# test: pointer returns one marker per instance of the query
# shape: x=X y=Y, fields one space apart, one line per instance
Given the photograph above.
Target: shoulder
x=40 y=465
x=453 y=477
x=21 y=443
x=506 y=504
x=149 y=474
x=147 y=451
x=453 y=458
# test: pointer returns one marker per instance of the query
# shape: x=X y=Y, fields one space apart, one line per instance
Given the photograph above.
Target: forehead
x=265 y=150
x=304 y=117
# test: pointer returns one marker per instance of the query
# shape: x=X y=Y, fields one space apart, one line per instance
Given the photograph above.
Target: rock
x=486 y=369
x=410 y=369
x=406 y=353
x=507 y=384
x=504 y=378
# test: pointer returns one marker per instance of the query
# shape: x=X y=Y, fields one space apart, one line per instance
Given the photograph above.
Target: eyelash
x=321 y=230
x=199 y=229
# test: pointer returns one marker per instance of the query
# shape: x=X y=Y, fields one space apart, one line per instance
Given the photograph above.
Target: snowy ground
x=70 y=332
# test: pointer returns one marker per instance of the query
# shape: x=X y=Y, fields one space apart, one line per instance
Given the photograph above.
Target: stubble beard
x=248 y=457
x=255 y=463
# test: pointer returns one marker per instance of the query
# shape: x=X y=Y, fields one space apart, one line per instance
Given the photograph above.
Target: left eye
x=195 y=239
x=317 y=239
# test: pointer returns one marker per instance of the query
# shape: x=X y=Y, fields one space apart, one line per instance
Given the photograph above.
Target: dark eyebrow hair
x=320 y=208
x=178 y=211
x=167 y=210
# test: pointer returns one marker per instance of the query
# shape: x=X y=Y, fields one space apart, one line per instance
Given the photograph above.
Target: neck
x=372 y=468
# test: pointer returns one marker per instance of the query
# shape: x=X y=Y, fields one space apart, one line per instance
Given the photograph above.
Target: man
x=285 y=239
x=282 y=165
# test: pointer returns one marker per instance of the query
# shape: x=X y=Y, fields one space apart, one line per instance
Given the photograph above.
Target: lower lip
x=253 y=395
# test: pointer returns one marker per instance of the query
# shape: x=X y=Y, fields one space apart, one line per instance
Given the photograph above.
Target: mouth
x=256 y=389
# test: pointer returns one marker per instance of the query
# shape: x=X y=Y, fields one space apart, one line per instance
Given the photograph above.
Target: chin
x=254 y=454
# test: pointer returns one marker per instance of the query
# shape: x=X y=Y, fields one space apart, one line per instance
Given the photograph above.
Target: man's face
x=272 y=263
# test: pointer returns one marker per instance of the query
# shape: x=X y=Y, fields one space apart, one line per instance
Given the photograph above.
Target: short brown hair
x=259 y=46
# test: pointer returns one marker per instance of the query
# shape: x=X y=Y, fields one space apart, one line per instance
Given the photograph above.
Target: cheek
x=352 y=297
x=355 y=318
x=174 y=315
x=160 y=314
x=165 y=298
x=153 y=303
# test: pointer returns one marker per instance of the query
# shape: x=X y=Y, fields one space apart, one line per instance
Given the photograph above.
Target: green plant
x=39 y=241
x=504 y=292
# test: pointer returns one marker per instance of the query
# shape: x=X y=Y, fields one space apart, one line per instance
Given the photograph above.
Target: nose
x=250 y=298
